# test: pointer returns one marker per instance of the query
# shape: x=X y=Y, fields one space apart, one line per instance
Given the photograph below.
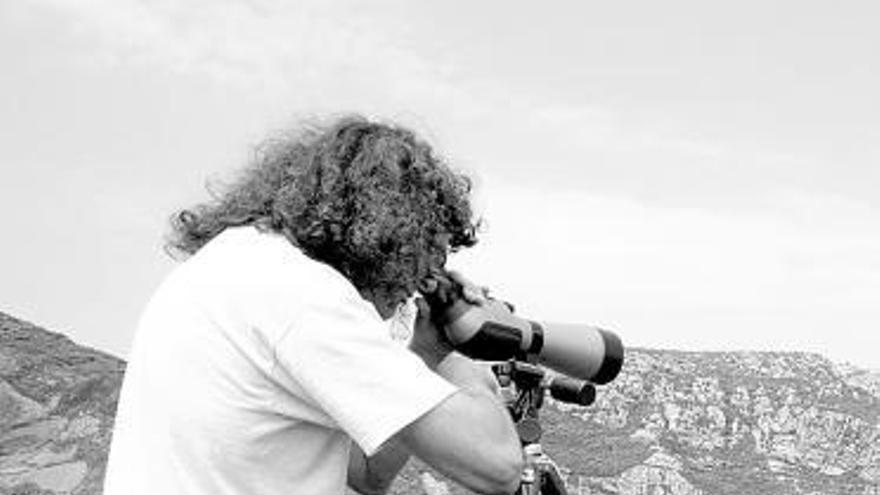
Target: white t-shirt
x=252 y=370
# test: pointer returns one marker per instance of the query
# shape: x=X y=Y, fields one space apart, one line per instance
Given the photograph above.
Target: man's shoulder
x=252 y=256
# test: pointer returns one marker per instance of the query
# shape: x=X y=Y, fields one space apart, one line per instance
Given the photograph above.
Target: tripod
x=541 y=476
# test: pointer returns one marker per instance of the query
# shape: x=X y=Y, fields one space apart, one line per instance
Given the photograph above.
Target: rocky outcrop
x=673 y=423
x=748 y=423
x=57 y=402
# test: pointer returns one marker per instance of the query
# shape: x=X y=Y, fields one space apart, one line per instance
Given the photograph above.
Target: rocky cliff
x=672 y=423
x=748 y=423
x=57 y=402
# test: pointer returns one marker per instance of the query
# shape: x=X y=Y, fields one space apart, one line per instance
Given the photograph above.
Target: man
x=263 y=366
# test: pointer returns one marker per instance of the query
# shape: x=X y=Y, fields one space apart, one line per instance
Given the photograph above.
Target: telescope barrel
x=490 y=331
x=582 y=351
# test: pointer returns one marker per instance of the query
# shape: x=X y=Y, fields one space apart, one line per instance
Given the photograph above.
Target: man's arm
x=470 y=436
x=373 y=475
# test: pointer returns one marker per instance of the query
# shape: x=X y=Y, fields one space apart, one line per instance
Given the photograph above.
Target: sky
x=690 y=176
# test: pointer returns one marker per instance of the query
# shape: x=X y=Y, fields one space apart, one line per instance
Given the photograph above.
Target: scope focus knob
x=529 y=430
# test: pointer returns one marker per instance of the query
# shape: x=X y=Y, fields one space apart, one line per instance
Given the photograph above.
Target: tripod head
x=531 y=383
x=541 y=476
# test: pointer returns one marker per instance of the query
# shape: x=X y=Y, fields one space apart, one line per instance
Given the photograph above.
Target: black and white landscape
x=676 y=423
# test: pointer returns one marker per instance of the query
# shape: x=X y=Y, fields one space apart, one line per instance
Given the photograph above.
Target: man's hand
x=473 y=293
x=430 y=342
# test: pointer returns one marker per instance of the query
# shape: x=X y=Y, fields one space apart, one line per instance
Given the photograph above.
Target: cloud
x=689 y=278
x=234 y=42
x=315 y=57
x=327 y=51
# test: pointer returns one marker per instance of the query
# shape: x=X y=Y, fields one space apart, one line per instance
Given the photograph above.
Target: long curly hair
x=369 y=199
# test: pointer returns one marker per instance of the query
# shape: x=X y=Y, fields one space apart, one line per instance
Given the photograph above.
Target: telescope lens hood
x=613 y=361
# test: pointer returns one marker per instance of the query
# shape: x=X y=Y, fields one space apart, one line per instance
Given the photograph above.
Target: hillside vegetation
x=755 y=423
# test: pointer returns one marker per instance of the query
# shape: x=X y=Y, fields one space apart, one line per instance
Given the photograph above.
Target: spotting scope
x=491 y=331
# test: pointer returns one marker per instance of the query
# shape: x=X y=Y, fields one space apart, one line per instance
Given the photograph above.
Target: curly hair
x=369 y=199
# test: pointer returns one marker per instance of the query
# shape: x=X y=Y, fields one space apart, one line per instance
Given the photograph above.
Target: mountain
x=57 y=402
x=712 y=423
x=726 y=423
x=673 y=423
